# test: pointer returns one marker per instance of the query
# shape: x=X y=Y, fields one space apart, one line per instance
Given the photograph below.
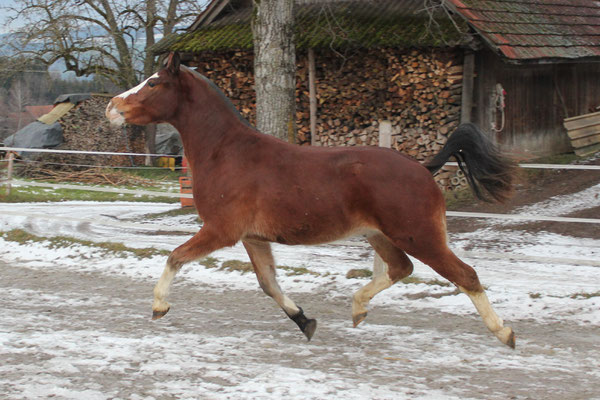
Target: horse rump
x=489 y=173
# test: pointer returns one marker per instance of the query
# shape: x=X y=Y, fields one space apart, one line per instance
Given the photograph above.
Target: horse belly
x=307 y=220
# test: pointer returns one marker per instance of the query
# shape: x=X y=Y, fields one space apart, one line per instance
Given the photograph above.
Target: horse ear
x=172 y=63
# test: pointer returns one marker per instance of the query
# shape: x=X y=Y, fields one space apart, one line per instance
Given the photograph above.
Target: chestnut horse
x=255 y=188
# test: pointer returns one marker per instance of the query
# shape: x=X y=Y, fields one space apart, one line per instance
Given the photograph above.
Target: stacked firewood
x=86 y=128
x=417 y=90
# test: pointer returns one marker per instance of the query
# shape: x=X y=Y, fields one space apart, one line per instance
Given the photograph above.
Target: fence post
x=385 y=134
x=9 y=171
x=385 y=140
x=312 y=95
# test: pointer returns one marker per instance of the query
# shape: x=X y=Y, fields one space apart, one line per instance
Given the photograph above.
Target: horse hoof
x=159 y=314
x=310 y=328
x=358 y=318
x=506 y=336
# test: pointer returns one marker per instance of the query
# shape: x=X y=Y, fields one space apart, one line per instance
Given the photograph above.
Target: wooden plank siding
x=538 y=98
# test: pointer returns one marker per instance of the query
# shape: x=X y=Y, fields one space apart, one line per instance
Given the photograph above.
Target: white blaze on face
x=137 y=88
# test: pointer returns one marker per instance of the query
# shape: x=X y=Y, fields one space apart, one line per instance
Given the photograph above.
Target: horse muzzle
x=114 y=115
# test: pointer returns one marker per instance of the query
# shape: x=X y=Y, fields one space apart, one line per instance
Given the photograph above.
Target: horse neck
x=207 y=122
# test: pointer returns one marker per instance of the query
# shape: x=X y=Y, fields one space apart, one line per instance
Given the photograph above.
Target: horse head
x=152 y=101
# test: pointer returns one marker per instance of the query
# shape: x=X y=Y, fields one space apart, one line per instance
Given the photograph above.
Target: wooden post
x=385 y=140
x=9 y=172
x=466 y=107
x=385 y=134
x=312 y=95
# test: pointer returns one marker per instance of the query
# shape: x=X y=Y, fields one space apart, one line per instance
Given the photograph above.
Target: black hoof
x=159 y=314
x=307 y=326
x=310 y=328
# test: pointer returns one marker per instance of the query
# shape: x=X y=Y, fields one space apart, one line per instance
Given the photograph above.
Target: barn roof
x=324 y=24
x=527 y=30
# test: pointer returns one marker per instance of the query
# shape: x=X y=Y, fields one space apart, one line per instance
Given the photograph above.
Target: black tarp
x=168 y=140
x=36 y=135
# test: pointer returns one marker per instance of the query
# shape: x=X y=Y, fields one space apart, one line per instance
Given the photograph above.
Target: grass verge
x=56 y=242
x=28 y=194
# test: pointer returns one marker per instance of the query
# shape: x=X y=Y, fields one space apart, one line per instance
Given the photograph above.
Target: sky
x=3 y=14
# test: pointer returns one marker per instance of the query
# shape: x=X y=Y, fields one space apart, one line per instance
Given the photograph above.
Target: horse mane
x=219 y=92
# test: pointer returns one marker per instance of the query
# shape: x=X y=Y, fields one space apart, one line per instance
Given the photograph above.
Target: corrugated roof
x=523 y=30
x=337 y=24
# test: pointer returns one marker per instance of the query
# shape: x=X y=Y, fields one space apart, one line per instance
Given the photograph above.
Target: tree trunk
x=150 y=133
x=150 y=40
x=275 y=68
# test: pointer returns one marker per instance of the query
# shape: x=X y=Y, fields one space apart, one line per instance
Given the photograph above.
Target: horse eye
x=151 y=83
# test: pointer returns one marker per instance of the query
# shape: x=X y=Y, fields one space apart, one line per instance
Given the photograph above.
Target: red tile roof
x=38 y=111
x=523 y=30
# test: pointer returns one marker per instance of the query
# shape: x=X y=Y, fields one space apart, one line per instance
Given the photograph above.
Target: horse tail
x=489 y=173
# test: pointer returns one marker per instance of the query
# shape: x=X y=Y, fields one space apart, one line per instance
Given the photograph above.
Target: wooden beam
x=466 y=108
x=312 y=94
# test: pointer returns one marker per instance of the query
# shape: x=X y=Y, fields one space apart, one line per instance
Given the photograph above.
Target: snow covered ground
x=532 y=277
x=543 y=290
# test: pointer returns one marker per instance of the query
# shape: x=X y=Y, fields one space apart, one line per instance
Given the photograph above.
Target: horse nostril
x=109 y=107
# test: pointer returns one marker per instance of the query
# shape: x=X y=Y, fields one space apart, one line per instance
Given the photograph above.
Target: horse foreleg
x=264 y=267
x=200 y=245
x=390 y=265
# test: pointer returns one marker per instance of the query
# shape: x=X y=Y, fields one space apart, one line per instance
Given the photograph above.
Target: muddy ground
x=85 y=335
x=436 y=355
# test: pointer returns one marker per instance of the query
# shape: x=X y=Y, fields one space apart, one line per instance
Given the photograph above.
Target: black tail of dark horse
x=488 y=172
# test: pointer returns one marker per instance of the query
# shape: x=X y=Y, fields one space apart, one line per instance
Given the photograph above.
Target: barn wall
x=538 y=98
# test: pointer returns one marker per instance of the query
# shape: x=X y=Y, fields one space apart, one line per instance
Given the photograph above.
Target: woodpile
x=417 y=90
x=86 y=128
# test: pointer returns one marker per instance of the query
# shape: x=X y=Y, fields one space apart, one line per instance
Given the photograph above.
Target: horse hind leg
x=264 y=267
x=465 y=278
x=391 y=264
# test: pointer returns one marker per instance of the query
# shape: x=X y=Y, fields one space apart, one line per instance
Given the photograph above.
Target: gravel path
x=69 y=334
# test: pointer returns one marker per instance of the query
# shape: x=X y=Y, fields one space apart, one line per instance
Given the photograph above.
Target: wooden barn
x=515 y=68
x=538 y=59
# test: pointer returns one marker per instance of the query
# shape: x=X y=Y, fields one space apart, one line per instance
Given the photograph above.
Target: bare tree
x=19 y=96
x=103 y=37
x=275 y=67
